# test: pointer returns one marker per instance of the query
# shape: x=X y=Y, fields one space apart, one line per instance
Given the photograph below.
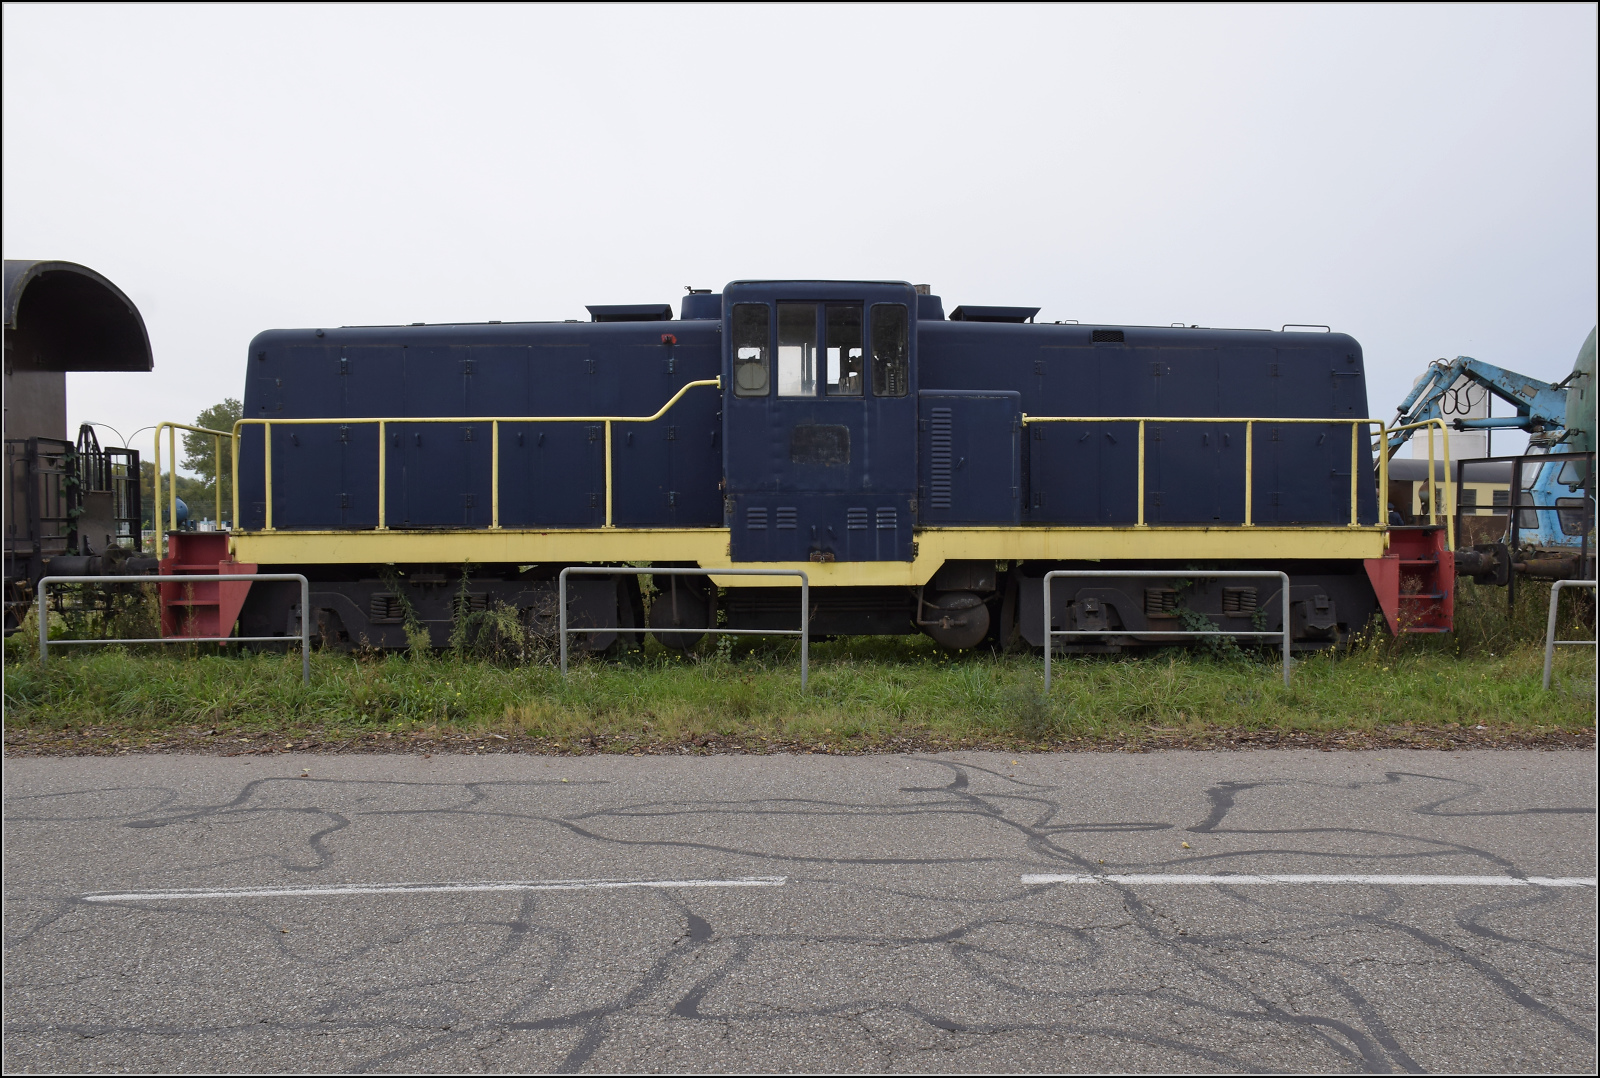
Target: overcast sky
x=1423 y=178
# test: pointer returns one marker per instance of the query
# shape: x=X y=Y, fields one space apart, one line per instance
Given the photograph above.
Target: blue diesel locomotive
x=923 y=468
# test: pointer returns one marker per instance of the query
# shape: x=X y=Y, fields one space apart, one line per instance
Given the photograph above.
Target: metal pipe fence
x=1550 y=640
x=199 y=578
x=1167 y=574
x=804 y=632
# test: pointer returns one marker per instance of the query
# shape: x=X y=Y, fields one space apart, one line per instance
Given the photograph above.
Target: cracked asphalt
x=902 y=937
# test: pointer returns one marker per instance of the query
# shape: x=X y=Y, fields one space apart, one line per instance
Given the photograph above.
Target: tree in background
x=195 y=494
x=200 y=457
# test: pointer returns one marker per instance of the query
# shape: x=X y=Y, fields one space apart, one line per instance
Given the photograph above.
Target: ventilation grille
x=939 y=457
x=1161 y=602
x=787 y=518
x=888 y=518
x=1107 y=336
x=755 y=518
x=385 y=608
x=1239 y=602
x=855 y=520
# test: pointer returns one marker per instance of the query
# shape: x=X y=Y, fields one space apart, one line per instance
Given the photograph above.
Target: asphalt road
x=802 y=913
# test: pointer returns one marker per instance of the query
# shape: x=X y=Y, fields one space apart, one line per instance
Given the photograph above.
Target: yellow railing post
x=235 y=463
x=1249 y=474
x=172 y=450
x=1449 y=490
x=1383 y=480
x=1140 y=522
x=266 y=453
x=218 y=440
x=608 y=473
x=383 y=486
x=1355 y=445
x=161 y=536
x=494 y=475
x=1433 y=493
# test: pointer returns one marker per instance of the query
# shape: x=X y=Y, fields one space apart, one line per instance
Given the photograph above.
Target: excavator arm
x=1541 y=407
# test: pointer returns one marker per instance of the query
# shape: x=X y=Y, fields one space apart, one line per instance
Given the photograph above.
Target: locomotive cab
x=820 y=420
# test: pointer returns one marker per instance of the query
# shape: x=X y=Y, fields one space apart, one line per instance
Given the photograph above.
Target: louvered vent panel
x=939 y=470
x=755 y=518
x=855 y=520
x=787 y=517
x=888 y=518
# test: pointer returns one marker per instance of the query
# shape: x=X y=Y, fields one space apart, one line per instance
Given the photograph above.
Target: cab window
x=890 y=348
x=846 y=364
x=797 y=349
x=752 y=332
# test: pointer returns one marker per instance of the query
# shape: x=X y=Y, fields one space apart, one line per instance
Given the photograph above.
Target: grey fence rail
x=1550 y=640
x=1163 y=574
x=200 y=578
x=804 y=632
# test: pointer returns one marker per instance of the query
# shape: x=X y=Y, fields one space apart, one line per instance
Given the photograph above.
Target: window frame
x=905 y=350
x=766 y=352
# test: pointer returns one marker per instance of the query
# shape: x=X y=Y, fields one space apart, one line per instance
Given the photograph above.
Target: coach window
x=845 y=364
x=752 y=334
x=797 y=349
x=890 y=377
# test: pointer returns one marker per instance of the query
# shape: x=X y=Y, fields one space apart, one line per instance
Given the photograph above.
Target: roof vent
x=1106 y=336
x=631 y=312
x=993 y=314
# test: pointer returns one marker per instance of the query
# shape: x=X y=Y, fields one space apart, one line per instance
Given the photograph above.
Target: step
x=1419 y=561
x=201 y=567
x=1424 y=629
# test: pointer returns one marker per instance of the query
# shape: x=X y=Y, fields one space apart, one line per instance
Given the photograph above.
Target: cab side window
x=890 y=348
x=752 y=332
x=846 y=365
x=797 y=349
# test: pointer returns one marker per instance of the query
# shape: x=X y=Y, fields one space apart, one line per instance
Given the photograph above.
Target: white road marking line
x=430 y=888
x=1248 y=879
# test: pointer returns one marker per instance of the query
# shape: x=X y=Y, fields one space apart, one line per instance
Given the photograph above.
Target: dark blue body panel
x=1194 y=473
x=843 y=477
x=970 y=448
x=552 y=474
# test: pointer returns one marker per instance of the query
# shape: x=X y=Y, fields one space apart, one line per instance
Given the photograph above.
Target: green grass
x=863 y=693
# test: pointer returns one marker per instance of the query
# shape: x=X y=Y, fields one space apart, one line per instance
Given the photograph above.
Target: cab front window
x=752 y=332
x=890 y=350
x=845 y=361
x=797 y=349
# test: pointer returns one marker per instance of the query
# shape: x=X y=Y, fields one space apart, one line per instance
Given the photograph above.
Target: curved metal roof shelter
x=60 y=316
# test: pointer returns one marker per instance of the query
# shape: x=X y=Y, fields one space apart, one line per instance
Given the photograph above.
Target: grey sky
x=1423 y=178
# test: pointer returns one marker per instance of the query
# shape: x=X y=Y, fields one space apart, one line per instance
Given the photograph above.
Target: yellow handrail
x=1433 y=490
x=1249 y=455
x=172 y=442
x=494 y=457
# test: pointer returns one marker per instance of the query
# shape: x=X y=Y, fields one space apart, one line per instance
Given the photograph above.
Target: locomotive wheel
x=678 y=602
x=956 y=620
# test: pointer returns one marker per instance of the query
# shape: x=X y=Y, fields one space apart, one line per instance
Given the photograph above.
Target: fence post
x=1550 y=640
x=1286 y=632
x=1049 y=641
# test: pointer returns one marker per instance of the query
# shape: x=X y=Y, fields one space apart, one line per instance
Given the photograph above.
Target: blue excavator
x=1552 y=518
